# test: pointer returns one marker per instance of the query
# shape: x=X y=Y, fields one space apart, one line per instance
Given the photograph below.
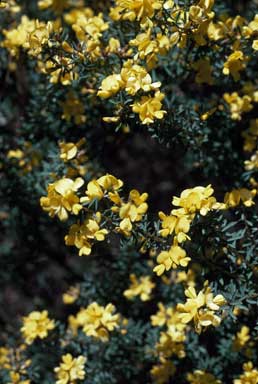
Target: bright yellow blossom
x=250 y=375
x=36 y=325
x=234 y=64
x=135 y=77
x=82 y=235
x=132 y=211
x=62 y=198
x=201 y=308
x=141 y=286
x=110 y=86
x=238 y=105
x=96 y=189
x=70 y=369
x=134 y=9
x=96 y=321
x=197 y=199
x=149 y=108
x=173 y=258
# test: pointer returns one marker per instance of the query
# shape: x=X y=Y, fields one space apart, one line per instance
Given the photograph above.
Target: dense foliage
x=128 y=165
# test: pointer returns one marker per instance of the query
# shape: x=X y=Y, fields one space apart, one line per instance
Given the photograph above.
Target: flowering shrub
x=129 y=137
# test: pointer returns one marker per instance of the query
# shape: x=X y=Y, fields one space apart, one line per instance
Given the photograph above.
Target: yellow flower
x=135 y=9
x=71 y=295
x=250 y=375
x=16 y=378
x=97 y=321
x=4 y=357
x=110 y=86
x=109 y=183
x=255 y=45
x=135 y=78
x=252 y=163
x=73 y=108
x=204 y=71
x=234 y=64
x=241 y=338
x=201 y=308
x=70 y=369
x=113 y=45
x=251 y=136
x=62 y=199
x=68 y=151
x=173 y=258
x=96 y=189
x=216 y=31
x=36 y=324
x=167 y=316
x=132 y=211
x=141 y=286
x=163 y=371
x=38 y=37
x=149 y=108
x=197 y=199
x=233 y=198
x=29 y=34
x=82 y=235
x=201 y=377
x=179 y=224
x=238 y=105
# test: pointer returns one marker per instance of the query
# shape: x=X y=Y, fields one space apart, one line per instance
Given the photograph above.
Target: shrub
x=110 y=110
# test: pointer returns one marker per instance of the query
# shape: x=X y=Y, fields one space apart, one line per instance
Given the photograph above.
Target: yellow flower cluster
x=62 y=198
x=201 y=308
x=71 y=369
x=250 y=375
x=134 y=10
x=96 y=321
x=234 y=64
x=204 y=71
x=130 y=211
x=10 y=6
x=163 y=371
x=171 y=341
x=238 y=105
x=26 y=157
x=134 y=78
x=177 y=224
x=141 y=286
x=241 y=339
x=36 y=325
x=88 y=29
x=236 y=196
x=14 y=360
x=201 y=377
x=30 y=35
x=82 y=235
x=105 y=186
x=75 y=155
